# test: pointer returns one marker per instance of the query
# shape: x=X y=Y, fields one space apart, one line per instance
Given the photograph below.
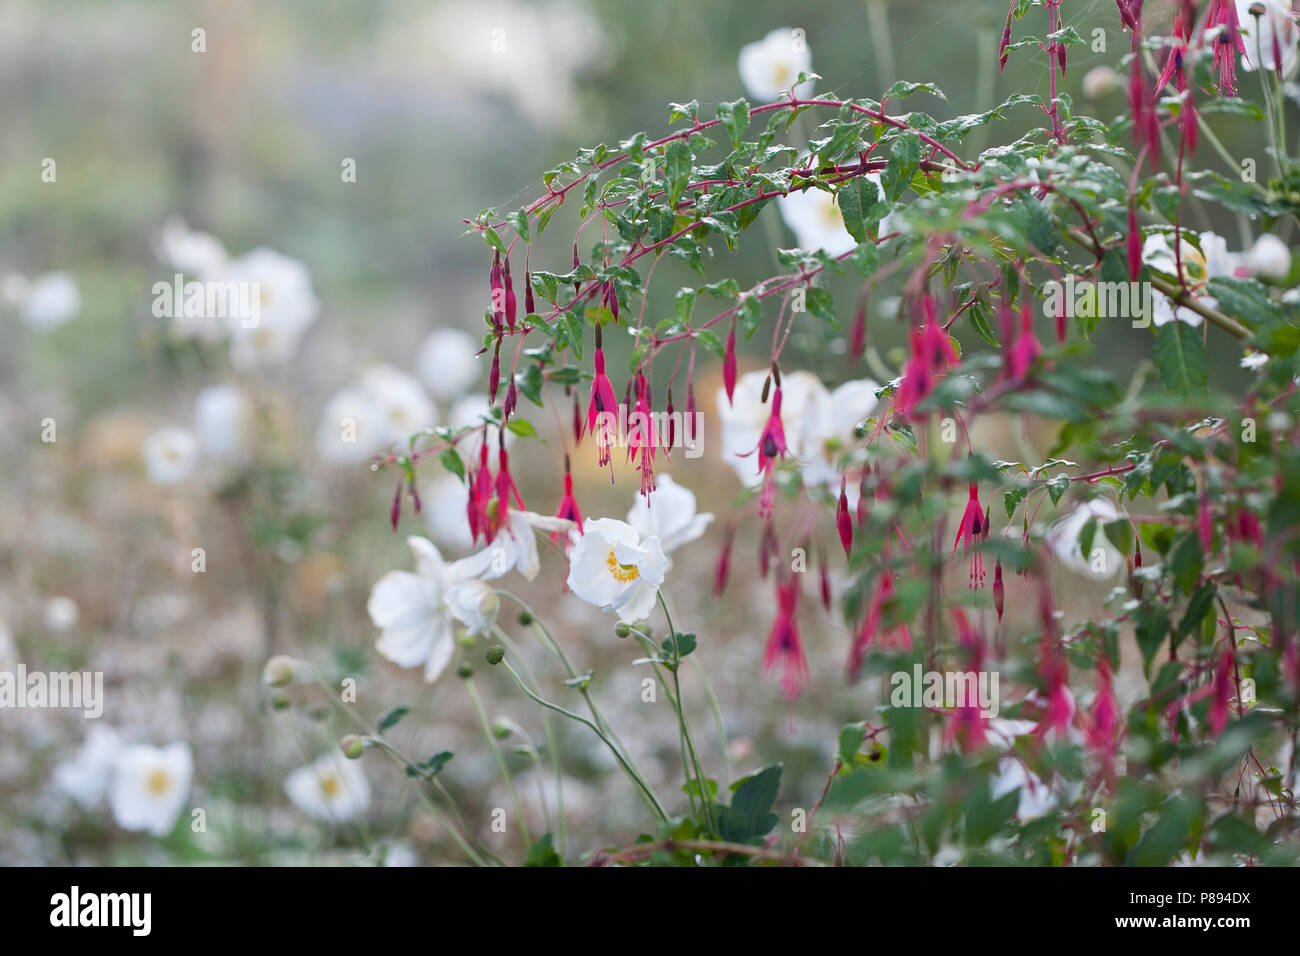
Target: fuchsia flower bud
x=610 y=299
x=1026 y=349
x=858 y=334
x=824 y=582
x=784 y=646
x=494 y=376
x=1133 y=243
x=510 y=307
x=843 y=523
x=577 y=421
x=971 y=533
x=1104 y=724
x=530 y=308
x=672 y=423
x=497 y=284
x=395 y=512
x=729 y=365
x=999 y=590
x=1006 y=39
x=1126 y=14
x=688 y=426
x=722 y=570
x=1221 y=692
x=512 y=399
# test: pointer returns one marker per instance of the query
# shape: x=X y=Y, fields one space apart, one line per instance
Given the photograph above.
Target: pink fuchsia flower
x=843 y=522
x=506 y=489
x=1227 y=43
x=602 y=404
x=1175 y=67
x=1103 y=724
x=480 y=493
x=784 y=646
x=1058 y=711
x=568 y=504
x=729 y=366
x=771 y=448
x=971 y=534
x=931 y=356
x=1026 y=348
x=891 y=638
x=644 y=436
x=1221 y=693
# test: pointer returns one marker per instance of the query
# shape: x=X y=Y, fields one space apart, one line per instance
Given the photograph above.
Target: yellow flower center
x=159 y=783
x=330 y=785
x=621 y=572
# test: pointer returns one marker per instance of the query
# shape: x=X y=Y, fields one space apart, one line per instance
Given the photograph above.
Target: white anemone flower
x=743 y=419
x=85 y=777
x=770 y=66
x=814 y=217
x=331 y=788
x=614 y=568
x=403 y=405
x=828 y=431
x=410 y=609
x=48 y=301
x=1212 y=260
x=513 y=549
x=668 y=513
x=448 y=363
x=446 y=500
x=170 y=455
x=1063 y=537
x=150 y=786
x=1269 y=258
x=1276 y=25
x=475 y=604
x=351 y=428
x=190 y=251
x=286 y=307
x=223 y=422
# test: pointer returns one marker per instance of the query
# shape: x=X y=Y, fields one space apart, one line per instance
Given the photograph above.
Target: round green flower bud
x=622 y=630
x=496 y=654
x=500 y=730
x=280 y=702
x=525 y=618
x=352 y=746
x=465 y=672
x=278 y=671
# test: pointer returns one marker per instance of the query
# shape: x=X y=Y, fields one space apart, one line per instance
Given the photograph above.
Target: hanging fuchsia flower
x=643 y=437
x=784 y=647
x=1221 y=693
x=506 y=489
x=568 y=504
x=1026 y=349
x=1126 y=14
x=932 y=355
x=1175 y=67
x=1227 y=43
x=511 y=309
x=480 y=493
x=722 y=570
x=496 y=283
x=843 y=522
x=603 y=404
x=1058 y=711
x=729 y=365
x=999 y=589
x=971 y=534
x=771 y=448
x=1103 y=725
x=897 y=637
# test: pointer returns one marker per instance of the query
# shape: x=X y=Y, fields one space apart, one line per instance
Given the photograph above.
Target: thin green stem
x=717 y=718
x=501 y=759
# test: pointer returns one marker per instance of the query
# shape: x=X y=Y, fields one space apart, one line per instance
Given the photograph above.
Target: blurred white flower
x=446 y=500
x=814 y=217
x=468 y=412
x=193 y=253
x=448 y=363
x=743 y=421
x=331 y=788
x=1276 y=26
x=513 y=549
x=170 y=455
x=1101 y=80
x=1212 y=260
x=403 y=405
x=85 y=777
x=47 y=301
x=669 y=514
x=150 y=786
x=1254 y=360
x=61 y=614
x=770 y=66
x=1269 y=258
x=223 y=419
x=475 y=605
x=614 y=568
x=1036 y=798
x=286 y=308
x=1103 y=561
x=828 y=431
x=410 y=610
x=352 y=427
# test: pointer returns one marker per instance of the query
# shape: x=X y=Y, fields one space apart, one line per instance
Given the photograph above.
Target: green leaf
x=861 y=207
x=685 y=645
x=750 y=816
x=390 y=719
x=522 y=427
x=450 y=459
x=735 y=117
x=429 y=768
x=677 y=170
x=542 y=853
x=1180 y=357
